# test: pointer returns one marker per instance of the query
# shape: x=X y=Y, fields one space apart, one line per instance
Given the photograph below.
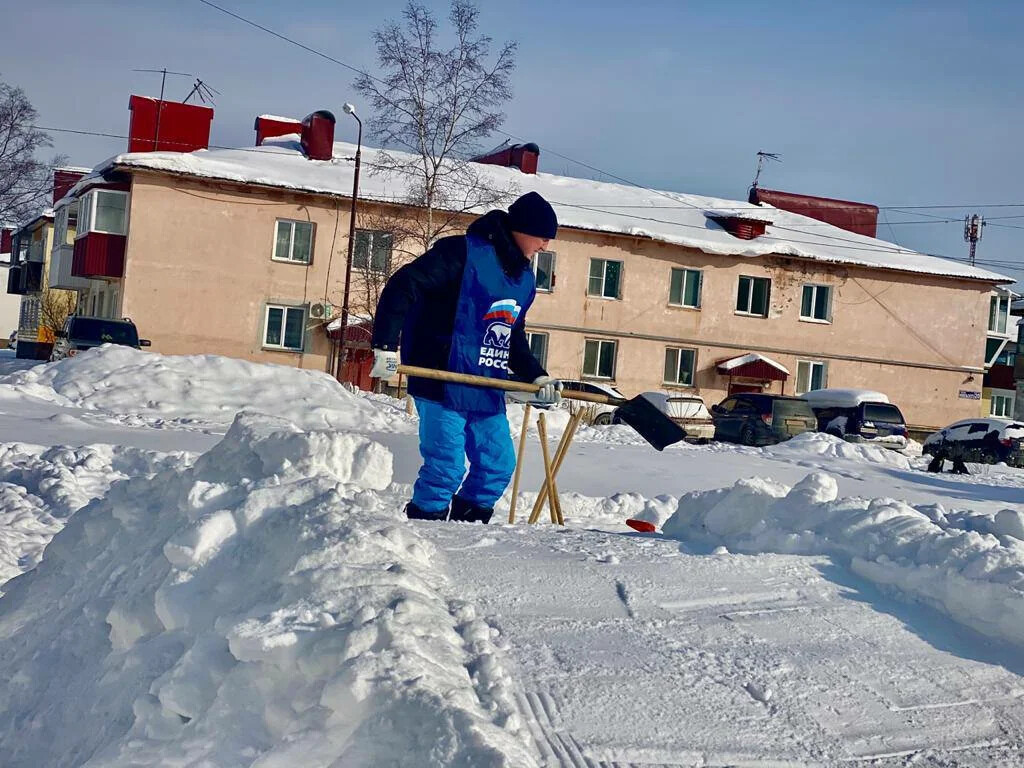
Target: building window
x=544 y=270
x=605 y=278
x=1002 y=405
x=816 y=303
x=679 y=365
x=293 y=241
x=685 y=288
x=810 y=374
x=599 y=358
x=752 y=296
x=539 y=347
x=283 y=328
x=372 y=250
x=102 y=210
x=998 y=314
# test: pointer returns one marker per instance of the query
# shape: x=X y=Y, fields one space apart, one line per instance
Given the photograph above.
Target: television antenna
x=761 y=157
x=159 y=106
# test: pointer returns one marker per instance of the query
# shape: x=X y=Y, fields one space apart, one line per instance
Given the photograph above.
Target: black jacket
x=419 y=303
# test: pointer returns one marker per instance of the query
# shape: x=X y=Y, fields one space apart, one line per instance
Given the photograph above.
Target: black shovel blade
x=652 y=425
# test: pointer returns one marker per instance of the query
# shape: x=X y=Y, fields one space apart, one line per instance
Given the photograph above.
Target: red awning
x=752 y=366
x=357 y=334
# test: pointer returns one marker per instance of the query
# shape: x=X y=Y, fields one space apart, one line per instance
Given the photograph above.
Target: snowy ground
x=242 y=590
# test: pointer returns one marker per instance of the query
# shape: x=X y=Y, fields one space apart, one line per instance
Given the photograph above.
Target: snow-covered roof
x=751 y=357
x=671 y=217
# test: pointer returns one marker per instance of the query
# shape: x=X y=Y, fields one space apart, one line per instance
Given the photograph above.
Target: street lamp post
x=349 y=110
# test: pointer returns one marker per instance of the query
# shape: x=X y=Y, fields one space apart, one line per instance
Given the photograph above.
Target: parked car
x=859 y=416
x=603 y=412
x=80 y=333
x=761 y=419
x=983 y=440
x=686 y=410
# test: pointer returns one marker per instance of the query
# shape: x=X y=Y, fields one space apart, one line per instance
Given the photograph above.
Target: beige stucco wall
x=199 y=274
x=935 y=326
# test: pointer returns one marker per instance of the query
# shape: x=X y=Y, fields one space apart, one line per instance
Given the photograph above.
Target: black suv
x=81 y=333
x=759 y=419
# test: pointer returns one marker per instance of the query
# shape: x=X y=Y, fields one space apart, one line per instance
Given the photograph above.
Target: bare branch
x=25 y=182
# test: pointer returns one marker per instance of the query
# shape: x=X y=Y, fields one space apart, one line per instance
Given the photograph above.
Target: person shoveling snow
x=463 y=304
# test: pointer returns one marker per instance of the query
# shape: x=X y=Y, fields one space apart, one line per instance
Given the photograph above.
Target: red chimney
x=521 y=156
x=269 y=126
x=318 y=135
x=63 y=181
x=739 y=226
x=174 y=127
x=860 y=218
x=6 y=240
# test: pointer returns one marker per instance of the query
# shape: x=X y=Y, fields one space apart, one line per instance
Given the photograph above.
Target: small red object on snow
x=641 y=525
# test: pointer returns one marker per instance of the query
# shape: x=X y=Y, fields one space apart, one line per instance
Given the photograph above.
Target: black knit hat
x=532 y=215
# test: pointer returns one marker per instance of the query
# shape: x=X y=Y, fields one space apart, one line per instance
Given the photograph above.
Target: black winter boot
x=414 y=512
x=467 y=512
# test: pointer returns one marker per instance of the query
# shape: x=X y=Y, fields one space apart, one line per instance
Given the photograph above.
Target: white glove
x=550 y=392
x=385 y=364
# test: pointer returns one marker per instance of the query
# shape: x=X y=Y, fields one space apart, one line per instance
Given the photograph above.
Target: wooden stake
x=560 y=453
x=519 y=465
x=553 y=497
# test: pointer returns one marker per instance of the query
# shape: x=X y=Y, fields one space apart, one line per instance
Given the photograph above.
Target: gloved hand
x=385 y=364
x=550 y=392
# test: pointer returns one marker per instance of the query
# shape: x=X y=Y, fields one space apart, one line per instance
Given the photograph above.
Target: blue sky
x=891 y=103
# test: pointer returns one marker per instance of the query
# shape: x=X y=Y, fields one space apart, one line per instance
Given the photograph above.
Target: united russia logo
x=498 y=337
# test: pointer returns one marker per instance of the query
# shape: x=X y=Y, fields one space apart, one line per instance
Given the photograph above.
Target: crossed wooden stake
x=549 y=491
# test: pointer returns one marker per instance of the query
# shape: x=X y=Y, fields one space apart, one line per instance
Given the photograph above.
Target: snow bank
x=820 y=444
x=40 y=488
x=976 y=579
x=200 y=391
x=266 y=606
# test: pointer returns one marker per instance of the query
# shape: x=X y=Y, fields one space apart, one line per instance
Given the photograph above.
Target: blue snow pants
x=447 y=439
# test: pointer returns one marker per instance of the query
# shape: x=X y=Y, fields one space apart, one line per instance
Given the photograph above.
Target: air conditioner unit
x=322 y=310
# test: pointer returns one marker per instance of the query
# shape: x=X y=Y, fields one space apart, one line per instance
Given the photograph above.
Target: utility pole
x=973 y=227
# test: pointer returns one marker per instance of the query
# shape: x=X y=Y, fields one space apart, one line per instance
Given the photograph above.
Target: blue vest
x=490 y=303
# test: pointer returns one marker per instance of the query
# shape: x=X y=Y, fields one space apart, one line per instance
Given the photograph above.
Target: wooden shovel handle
x=503 y=384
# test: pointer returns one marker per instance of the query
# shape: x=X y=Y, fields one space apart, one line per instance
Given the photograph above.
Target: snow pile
x=200 y=391
x=976 y=579
x=822 y=445
x=40 y=488
x=266 y=606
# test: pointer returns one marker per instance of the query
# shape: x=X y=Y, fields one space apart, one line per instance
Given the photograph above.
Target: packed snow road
x=241 y=589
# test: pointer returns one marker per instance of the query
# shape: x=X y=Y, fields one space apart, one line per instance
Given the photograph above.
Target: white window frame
x=750 y=296
x=60 y=226
x=86 y=224
x=677 y=382
x=291 y=241
x=1002 y=316
x=551 y=271
x=371 y=233
x=284 y=326
x=811 y=365
x=1006 y=402
x=815 y=287
x=687 y=273
x=604 y=278
x=615 y=358
x=543 y=359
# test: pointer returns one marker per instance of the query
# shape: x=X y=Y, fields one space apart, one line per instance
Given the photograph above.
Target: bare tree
x=25 y=182
x=54 y=308
x=436 y=104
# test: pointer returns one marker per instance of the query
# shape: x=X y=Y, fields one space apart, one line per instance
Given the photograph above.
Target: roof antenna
x=203 y=90
x=760 y=164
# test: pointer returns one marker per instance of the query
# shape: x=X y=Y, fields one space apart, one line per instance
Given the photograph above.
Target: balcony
x=31 y=277
x=14 y=280
x=35 y=251
x=99 y=256
x=61 y=261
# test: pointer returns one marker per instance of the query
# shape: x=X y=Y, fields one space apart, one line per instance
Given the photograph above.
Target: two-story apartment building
x=237 y=252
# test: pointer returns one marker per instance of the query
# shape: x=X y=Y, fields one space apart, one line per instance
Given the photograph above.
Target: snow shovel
x=639 y=412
